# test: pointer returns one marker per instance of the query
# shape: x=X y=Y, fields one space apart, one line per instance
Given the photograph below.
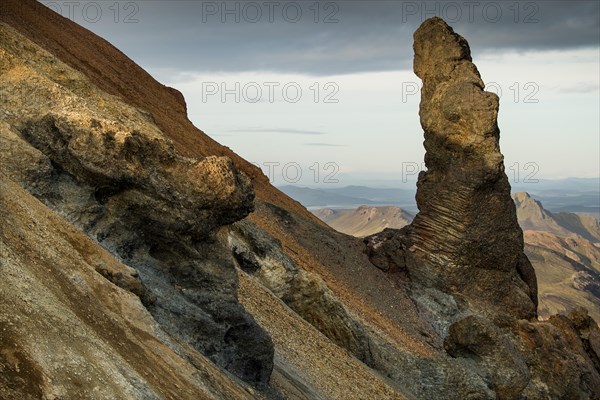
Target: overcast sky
x=329 y=85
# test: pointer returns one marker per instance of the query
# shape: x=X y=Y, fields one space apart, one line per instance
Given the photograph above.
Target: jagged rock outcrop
x=72 y=325
x=465 y=238
x=386 y=250
x=109 y=170
x=463 y=251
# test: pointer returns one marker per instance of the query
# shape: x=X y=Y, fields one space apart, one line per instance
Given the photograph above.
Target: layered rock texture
x=142 y=260
x=465 y=238
x=562 y=247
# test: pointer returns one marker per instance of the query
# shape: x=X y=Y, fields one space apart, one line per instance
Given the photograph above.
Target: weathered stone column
x=465 y=238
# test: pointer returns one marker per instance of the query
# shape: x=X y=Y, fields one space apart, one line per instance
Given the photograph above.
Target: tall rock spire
x=465 y=238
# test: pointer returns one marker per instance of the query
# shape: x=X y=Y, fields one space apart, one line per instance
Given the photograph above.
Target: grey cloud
x=369 y=35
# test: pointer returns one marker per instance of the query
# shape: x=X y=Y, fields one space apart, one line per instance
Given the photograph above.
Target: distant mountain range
x=351 y=196
x=564 y=248
x=575 y=195
x=533 y=216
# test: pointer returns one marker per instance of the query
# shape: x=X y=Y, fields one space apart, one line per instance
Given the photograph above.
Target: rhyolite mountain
x=364 y=220
x=143 y=260
x=533 y=216
x=564 y=248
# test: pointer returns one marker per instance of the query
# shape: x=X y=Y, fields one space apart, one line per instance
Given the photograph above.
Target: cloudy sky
x=326 y=90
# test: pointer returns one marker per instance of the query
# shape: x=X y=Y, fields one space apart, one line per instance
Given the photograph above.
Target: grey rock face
x=261 y=256
x=138 y=202
x=480 y=341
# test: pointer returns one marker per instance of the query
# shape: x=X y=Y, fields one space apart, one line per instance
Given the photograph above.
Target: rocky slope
x=72 y=324
x=76 y=137
x=143 y=260
x=110 y=171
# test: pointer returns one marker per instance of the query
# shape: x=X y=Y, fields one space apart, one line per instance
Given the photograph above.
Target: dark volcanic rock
x=386 y=250
x=465 y=238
